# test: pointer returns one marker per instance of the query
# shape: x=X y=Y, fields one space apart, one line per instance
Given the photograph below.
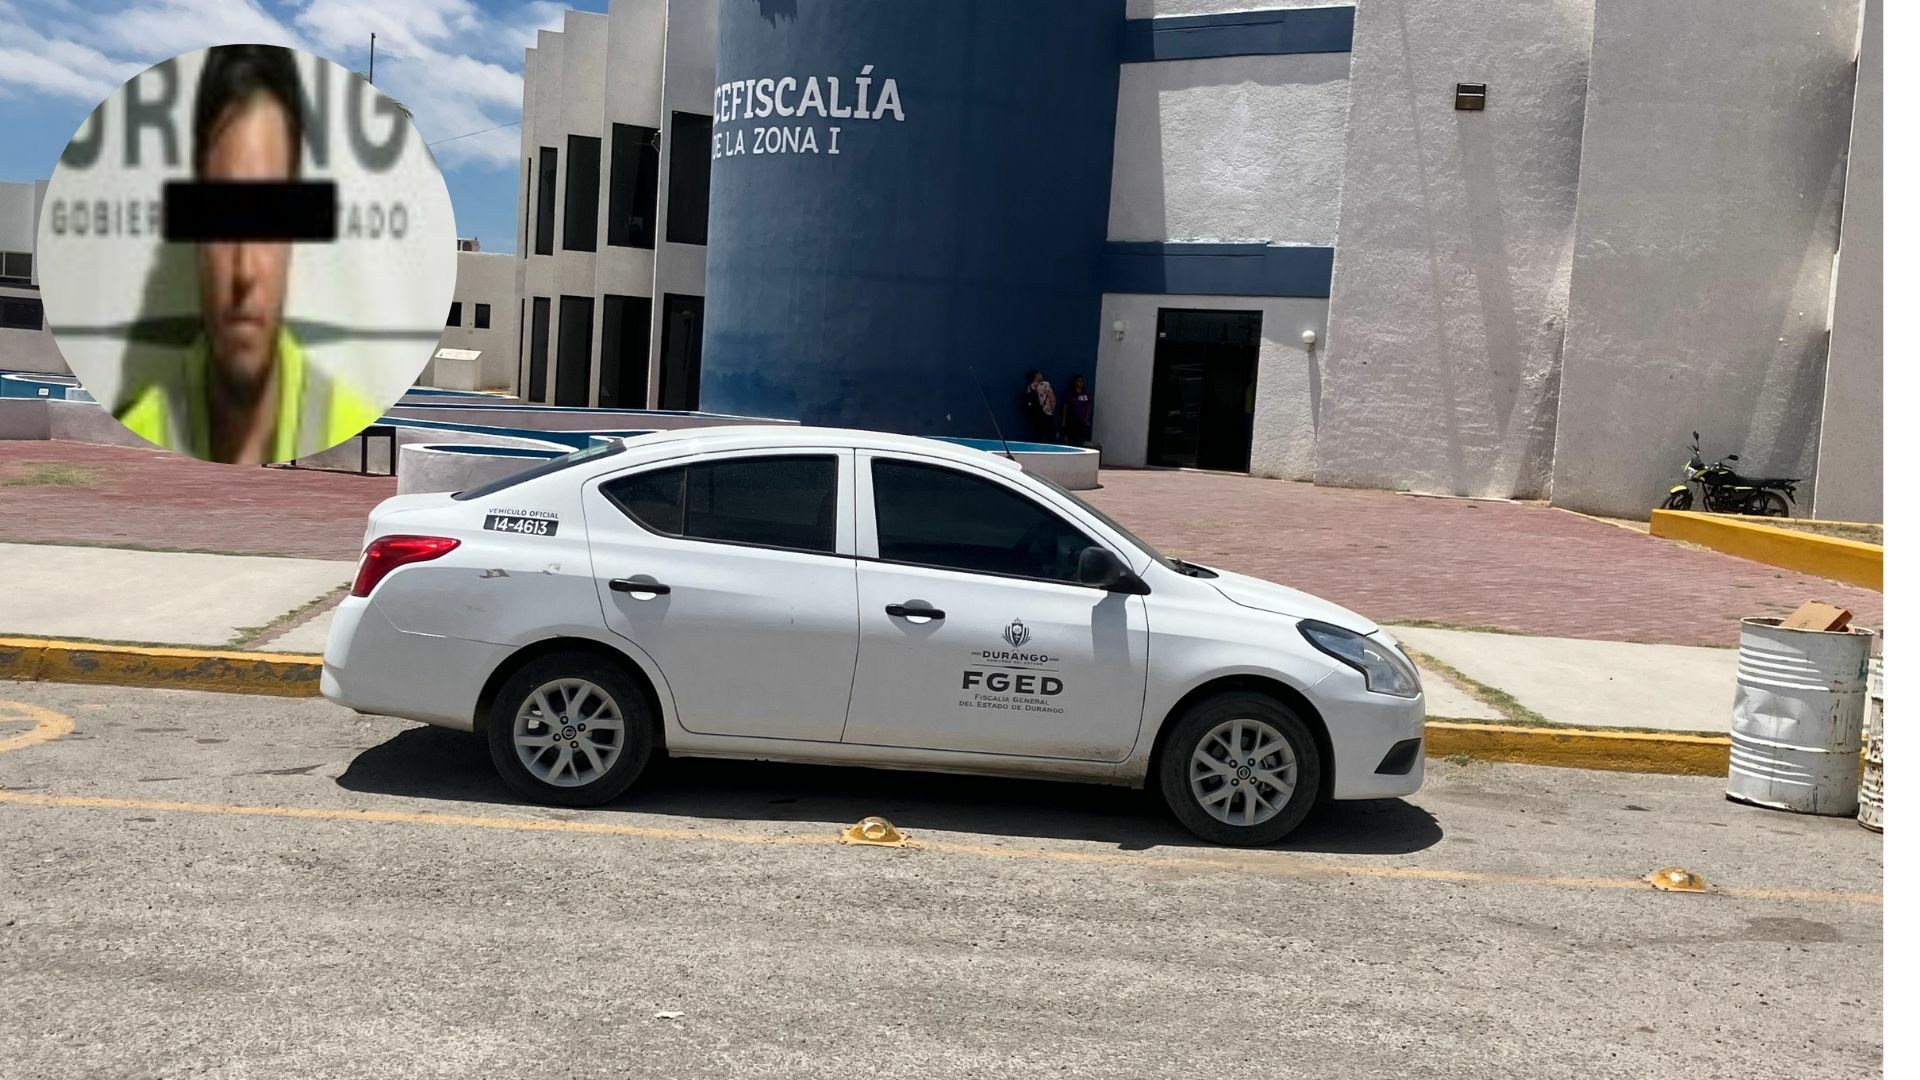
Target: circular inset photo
x=247 y=254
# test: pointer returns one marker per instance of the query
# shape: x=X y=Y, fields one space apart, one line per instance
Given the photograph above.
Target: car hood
x=1261 y=595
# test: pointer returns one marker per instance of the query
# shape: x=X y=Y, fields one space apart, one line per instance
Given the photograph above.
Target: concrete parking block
x=1599 y=684
x=113 y=594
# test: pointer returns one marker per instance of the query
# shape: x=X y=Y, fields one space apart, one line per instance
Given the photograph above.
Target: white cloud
x=158 y=29
x=412 y=28
x=453 y=64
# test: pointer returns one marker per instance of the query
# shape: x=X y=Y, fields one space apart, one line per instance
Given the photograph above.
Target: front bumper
x=1370 y=732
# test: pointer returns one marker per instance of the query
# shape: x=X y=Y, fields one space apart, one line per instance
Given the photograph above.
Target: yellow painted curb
x=290 y=675
x=279 y=674
x=1582 y=748
x=1833 y=557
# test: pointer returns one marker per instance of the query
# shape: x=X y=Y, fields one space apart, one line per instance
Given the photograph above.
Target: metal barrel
x=1873 y=774
x=1797 y=712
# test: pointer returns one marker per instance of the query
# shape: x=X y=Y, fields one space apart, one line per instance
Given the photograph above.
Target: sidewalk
x=1518 y=567
x=1580 y=683
x=162 y=597
x=274 y=605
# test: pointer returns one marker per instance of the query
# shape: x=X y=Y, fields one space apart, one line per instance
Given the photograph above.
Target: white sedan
x=853 y=598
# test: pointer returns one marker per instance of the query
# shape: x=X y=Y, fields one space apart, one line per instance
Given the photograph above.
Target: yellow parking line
x=49 y=725
x=1280 y=864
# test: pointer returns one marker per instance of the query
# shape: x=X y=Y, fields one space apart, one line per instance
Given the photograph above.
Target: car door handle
x=631 y=585
x=902 y=611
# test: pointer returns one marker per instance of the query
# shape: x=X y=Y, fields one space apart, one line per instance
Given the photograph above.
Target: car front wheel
x=1240 y=768
x=570 y=729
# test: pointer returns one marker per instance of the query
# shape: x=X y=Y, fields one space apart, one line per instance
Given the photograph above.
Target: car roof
x=798 y=437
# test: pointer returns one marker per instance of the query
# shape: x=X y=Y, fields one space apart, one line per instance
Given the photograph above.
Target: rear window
x=578 y=457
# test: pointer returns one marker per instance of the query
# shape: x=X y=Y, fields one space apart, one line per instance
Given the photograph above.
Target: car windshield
x=567 y=461
x=1131 y=538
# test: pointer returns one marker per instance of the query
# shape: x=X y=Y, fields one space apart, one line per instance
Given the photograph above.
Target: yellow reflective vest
x=314 y=412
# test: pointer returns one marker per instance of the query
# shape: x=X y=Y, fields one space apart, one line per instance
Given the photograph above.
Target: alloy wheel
x=568 y=732
x=1243 y=772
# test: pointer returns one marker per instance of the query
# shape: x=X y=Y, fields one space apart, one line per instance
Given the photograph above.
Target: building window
x=573 y=351
x=526 y=211
x=482 y=316
x=453 y=314
x=16 y=266
x=633 y=182
x=583 y=193
x=21 y=313
x=537 y=363
x=687 y=175
x=543 y=225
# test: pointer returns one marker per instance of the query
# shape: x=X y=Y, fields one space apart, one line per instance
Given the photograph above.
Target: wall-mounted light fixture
x=1119 y=330
x=1308 y=337
x=1470 y=96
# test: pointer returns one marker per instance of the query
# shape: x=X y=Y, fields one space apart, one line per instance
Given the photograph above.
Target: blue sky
x=454 y=63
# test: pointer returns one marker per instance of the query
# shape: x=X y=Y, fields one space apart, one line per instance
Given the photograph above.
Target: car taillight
x=387 y=553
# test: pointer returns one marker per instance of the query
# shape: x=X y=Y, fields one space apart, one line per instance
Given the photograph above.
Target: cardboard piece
x=1815 y=615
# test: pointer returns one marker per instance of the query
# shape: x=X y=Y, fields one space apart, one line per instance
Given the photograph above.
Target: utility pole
x=370 y=38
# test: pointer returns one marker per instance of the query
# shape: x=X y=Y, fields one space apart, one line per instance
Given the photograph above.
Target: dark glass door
x=683 y=320
x=574 y=351
x=625 y=323
x=1203 y=375
x=536 y=388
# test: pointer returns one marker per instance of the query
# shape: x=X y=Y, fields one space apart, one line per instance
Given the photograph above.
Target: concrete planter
x=428 y=467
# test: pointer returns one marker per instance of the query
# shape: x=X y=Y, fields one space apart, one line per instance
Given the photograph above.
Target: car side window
x=932 y=516
x=781 y=502
x=654 y=499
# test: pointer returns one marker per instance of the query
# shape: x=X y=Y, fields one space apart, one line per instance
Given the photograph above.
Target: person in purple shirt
x=1076 y=421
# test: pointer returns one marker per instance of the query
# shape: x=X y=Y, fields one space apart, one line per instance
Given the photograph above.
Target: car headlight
x=1387 y=669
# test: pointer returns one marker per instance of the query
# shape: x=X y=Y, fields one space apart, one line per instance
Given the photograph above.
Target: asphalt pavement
x=227 y=886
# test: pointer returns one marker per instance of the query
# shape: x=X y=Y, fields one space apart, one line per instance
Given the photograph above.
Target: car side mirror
x=1102 y=569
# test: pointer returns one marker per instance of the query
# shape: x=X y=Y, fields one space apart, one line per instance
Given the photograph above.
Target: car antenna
x=988 y=405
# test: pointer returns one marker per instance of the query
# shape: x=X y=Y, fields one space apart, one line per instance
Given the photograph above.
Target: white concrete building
x=25 y=344
x=1506 y=250
x=612 y=259
x=481 y=321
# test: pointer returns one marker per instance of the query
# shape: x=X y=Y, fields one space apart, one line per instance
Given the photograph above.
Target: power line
x=471 y=134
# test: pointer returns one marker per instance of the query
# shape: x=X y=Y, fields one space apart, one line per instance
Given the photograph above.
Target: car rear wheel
x=570 y=729
x=1240 y=768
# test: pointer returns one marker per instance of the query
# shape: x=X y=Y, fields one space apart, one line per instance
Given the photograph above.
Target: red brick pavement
x=1525 y=568
x=1521 y=567
x=153 y=498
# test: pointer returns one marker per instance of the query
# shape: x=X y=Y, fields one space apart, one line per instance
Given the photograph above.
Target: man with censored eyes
x=245 y=392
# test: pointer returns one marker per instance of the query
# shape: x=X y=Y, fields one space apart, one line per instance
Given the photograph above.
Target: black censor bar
x=200 y=211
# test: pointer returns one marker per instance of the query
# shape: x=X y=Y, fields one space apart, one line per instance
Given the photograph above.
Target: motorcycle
x=1727 y=492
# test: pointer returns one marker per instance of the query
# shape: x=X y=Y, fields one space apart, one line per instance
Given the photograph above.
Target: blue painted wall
x=857 y=287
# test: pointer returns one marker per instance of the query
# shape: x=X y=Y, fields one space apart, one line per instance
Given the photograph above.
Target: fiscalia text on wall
x=790 y=96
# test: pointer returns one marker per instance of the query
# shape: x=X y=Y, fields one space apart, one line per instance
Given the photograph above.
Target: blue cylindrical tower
x=906 y=193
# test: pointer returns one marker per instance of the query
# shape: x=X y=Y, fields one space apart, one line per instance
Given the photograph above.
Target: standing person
x=1040 y=407
x=1076 y=420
